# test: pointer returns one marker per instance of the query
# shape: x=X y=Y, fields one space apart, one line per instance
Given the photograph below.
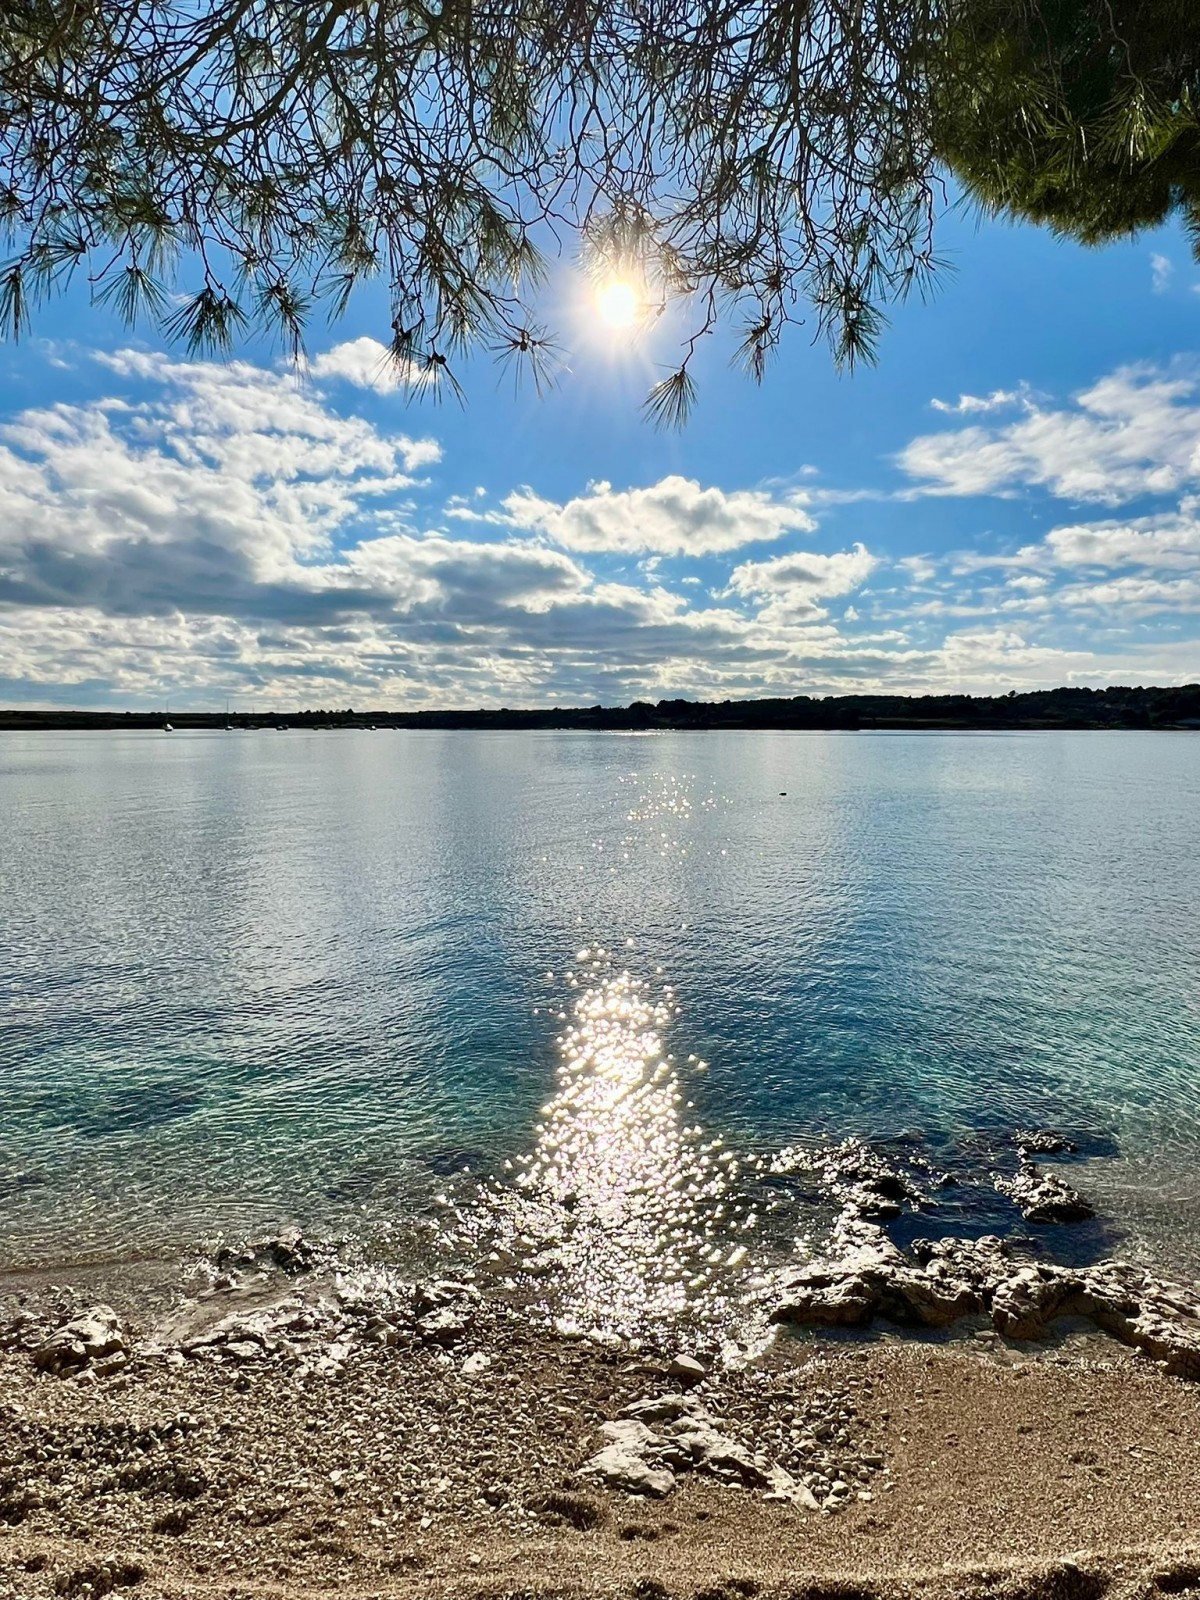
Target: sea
x=566 y=1001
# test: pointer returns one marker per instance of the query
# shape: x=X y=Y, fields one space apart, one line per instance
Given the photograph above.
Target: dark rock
x=287 y=1251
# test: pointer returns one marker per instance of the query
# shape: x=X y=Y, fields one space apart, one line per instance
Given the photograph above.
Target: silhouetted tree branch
x=759 y=162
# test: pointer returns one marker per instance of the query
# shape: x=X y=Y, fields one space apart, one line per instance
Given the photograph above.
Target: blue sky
x=1010 y=499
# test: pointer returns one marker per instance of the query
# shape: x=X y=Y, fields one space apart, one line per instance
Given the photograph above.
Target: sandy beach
x=285 y=1434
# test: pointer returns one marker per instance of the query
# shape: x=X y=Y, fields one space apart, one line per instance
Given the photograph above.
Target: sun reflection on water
x=624 y=1214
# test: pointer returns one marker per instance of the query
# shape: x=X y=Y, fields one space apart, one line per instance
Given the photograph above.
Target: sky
x=1010 y=499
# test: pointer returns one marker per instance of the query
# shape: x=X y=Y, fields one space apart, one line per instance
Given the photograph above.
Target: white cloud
x=1169 y=540
x=1162 y=269
x=211 y=529
x=1138 y=596
x=672 y=517
x=792 y=585
x=967 y=404
x=220 y=490
x=919 y=568
x=363 y=362
x=1133 y=433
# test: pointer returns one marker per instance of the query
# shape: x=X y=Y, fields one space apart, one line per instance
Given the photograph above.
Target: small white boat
x=167 y=728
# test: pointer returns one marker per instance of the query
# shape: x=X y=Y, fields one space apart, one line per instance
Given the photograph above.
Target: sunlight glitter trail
x=623 y=1208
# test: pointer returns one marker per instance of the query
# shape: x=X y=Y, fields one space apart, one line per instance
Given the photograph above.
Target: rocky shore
x=864 y=1275
x=292 y=1427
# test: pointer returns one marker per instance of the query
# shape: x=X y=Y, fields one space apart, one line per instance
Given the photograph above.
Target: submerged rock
x=1044 y=1142
x=865 y=1184
x=1044 y=1196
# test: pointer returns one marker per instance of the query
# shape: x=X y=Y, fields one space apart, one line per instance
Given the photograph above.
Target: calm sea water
x=246 y=977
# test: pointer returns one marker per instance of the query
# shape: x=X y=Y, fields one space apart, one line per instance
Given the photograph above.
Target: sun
x=618 y=303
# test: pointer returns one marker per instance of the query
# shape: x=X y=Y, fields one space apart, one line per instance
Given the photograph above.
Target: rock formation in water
x=864 y=1275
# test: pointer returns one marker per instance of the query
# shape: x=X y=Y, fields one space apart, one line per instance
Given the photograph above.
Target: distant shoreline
x=1175 y=708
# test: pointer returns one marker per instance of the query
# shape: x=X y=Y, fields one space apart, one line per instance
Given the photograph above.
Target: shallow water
x=246 y=978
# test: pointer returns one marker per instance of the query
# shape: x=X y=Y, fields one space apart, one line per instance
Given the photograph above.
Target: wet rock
x=439 y=1296
x=1044 y=1142
x=1044 y=1196
x=287 y=1251
x=957 y=1278
x=847 y=1289
x=82 y=1343
x=864 y=1183
x=943 y=1280
x=445 y=1327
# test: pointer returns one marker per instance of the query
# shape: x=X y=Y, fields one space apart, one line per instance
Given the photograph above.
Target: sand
x=426 y=1468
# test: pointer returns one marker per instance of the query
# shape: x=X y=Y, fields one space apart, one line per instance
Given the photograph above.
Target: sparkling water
x=354 y=978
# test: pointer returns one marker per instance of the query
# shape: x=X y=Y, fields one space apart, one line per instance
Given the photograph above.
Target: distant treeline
x=1117 y=707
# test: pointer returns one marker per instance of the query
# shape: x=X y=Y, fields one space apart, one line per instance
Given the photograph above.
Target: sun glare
x=618 y=303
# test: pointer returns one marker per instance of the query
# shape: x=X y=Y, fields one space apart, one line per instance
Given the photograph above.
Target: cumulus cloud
x=225 y=529
x=216 y=528
x=363 y=362
x=1138 y=595
x=1162 y=270
x=223 y=497
x=794 y=584
x=1168 y=540
x=216 y=494
x=674 y=517
x=1135 y=432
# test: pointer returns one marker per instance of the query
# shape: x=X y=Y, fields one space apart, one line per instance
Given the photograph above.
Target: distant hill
x=1115 y=707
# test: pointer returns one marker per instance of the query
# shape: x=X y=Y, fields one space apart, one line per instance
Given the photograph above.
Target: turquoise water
x=247 y=977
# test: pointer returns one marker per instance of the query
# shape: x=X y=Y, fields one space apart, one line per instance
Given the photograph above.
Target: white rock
x=687 y=1370
x=622 y=1468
